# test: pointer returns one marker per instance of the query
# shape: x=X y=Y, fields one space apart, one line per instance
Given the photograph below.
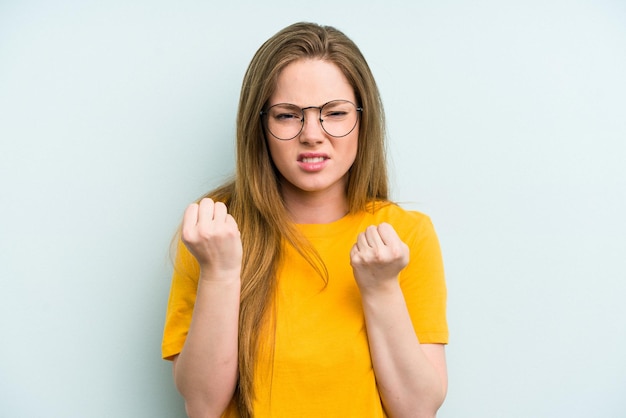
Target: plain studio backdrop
x=507 y=125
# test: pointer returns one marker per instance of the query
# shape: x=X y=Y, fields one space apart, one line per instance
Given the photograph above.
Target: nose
x=312 y=131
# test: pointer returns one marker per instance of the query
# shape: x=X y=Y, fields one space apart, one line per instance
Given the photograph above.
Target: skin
x=313 y=196
x=411 y=377
x=205 y=372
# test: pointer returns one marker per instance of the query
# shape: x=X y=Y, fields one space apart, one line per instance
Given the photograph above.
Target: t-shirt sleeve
x=181 y=302
x=423 y=281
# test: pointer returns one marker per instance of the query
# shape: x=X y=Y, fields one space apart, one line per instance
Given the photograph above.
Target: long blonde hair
x=254 y=197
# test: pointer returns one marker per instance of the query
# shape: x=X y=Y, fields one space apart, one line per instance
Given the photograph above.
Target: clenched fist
x=212 y=236
x=378 y=257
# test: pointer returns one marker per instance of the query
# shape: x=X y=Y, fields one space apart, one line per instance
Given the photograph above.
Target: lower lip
x=312 y=167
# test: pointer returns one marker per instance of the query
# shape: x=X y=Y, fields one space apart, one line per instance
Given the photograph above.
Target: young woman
x=299 y=289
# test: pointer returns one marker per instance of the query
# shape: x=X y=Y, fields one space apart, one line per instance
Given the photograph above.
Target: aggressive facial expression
x=313 y=161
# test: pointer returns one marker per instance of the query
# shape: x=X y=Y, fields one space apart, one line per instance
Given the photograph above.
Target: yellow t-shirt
x=321 y=362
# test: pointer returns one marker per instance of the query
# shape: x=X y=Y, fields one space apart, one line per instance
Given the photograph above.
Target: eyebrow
x=311 y=106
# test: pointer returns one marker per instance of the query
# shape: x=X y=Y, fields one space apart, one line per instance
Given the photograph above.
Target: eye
x=286 y=116
x=335 y=114
x=337 y=110
x=285 y=113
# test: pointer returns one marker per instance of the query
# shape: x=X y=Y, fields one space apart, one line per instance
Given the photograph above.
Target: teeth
x=313 y=159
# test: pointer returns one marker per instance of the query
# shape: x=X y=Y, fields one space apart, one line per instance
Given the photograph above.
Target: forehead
x=311 y=82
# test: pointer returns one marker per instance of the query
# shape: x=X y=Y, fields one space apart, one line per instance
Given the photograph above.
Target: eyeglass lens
x=338 y=118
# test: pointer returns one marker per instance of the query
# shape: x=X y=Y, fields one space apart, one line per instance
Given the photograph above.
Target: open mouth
x=312 y=160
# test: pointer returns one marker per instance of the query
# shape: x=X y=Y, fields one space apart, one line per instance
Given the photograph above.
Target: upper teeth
x=312 y=159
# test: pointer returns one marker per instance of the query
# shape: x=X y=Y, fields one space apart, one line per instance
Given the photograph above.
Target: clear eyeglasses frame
x=285 y=121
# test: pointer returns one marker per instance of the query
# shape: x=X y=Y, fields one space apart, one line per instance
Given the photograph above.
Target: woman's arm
x=411 y=377
x=205 y=372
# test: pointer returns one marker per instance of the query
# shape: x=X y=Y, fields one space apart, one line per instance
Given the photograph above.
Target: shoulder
x=224 y=193
x=413 y=227
x=393 y=213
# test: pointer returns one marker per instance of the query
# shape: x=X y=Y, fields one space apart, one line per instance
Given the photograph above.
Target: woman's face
x=313 y=162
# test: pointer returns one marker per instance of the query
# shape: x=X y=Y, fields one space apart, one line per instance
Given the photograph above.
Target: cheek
x=354 y=146
x=278 y=153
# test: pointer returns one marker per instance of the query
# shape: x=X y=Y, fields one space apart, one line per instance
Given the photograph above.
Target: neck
x=315 y=207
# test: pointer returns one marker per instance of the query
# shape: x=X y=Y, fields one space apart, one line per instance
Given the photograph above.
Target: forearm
x=408 y=382
x=206 y=371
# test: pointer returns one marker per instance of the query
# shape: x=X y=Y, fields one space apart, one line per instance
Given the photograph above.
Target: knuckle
x=187 y=235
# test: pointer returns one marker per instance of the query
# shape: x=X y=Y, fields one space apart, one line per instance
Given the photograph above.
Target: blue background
x=507 y=125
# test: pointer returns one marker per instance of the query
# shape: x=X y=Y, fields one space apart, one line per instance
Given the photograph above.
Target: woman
x=299 y=289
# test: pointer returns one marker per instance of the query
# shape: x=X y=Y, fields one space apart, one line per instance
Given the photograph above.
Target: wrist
x=381 y=289
x=220 y=276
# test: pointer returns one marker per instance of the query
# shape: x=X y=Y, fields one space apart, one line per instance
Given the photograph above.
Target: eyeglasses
x=337 y=117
